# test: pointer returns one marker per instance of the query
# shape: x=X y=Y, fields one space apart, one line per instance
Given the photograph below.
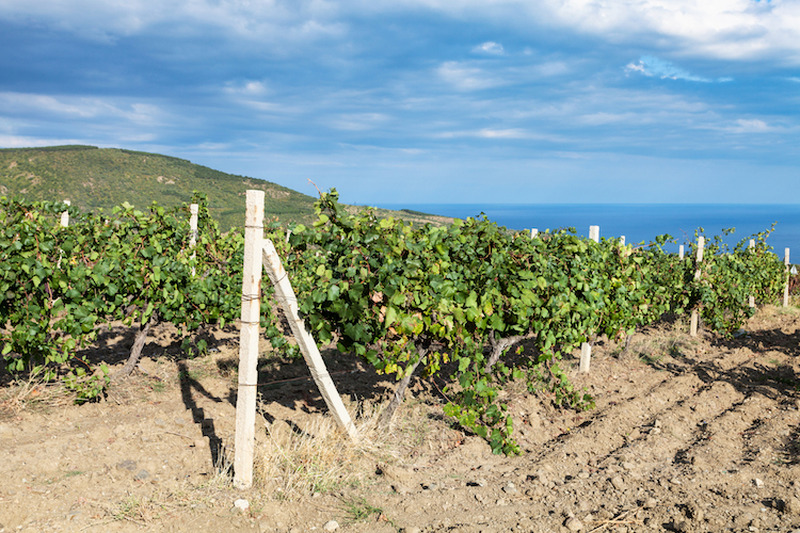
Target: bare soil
x=689 y=435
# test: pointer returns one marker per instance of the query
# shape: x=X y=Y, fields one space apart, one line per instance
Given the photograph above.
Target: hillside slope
x=93 y=178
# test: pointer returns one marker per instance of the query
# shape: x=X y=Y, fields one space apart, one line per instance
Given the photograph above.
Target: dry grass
x=30 y=393
x=659 y=342
x=293 y=462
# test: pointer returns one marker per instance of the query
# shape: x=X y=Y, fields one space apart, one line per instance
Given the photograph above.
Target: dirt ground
x=688 y=435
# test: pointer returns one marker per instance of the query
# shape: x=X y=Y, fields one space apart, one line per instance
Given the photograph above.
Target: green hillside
x=93 y=178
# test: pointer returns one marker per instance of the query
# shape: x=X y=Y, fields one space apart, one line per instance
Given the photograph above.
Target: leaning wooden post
x=701 y=242
x=193 y=211
x=680 y=252
x=65 y=215
x=308 y=347
x=586 y=348
x=751 y=247
x=248 y=342
x=534 y=233
x=786 y=287
x=622 y=240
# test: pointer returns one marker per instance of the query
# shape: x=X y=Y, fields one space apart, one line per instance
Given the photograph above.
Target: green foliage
x=58 y=285
x=398 y=295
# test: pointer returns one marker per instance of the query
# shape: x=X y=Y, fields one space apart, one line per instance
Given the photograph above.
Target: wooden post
x=586 y=348
x=65 y=215
x=534 y=233
x=680 y=252
x=752 y=248
x=622 y=240
x=586 y=357
x=786 y=287
x=594 y=233
x=193 y=211
x=248 y=342
x=701 y=242
x=288 y=301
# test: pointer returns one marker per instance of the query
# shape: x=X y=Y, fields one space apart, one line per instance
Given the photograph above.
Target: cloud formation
x=365 y=95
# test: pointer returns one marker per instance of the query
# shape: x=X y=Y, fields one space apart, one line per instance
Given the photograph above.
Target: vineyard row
x=452 y=302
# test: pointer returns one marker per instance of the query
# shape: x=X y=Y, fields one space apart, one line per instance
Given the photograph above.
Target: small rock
x=127 y=465
x=330 y=525
x=242 y=505
x=650 y=503
x=501 y=502
x=573 y=524
x=791 y=505
x=510 y=488
x=430 y=486
x=618 y=483
x=682 y=526
x=694 y=512
x=141 y=475
x=400 y=489
x=411 y=530
x=583 y=474
x=477 y=483
x=758 y=482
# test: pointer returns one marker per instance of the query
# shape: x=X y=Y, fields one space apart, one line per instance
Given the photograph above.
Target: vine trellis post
x=259 y=253
x=751 y=247
x=701 y=242
x=586 y=347
x=193 y=212
x=786 y=287
x=65 y=215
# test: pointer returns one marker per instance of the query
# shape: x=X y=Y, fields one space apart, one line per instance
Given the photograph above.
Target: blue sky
x=463 y=101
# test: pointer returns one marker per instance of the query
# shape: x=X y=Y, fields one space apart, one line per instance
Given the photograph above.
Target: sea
x=640 y=223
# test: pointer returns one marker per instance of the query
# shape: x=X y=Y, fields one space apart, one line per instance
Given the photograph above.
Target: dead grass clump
x=660 y=342
x=291 y=462
x=29 y=393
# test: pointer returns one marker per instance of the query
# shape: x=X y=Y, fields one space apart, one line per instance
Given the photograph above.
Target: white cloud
x=722 y=29
x=654 y=67
x=467 y=78
x=20 y=141
x=84 y=108
x=358 y=121
x=265 y=20
x=750 y=126
x=490 y=47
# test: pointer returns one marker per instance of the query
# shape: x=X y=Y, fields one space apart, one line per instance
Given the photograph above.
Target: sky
x=425 y=101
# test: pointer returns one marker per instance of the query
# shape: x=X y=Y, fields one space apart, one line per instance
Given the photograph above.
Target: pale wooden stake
x=622 y=240
x=586 y=357
x=786 y=287
x=594 y=233
x=288 y=301
x=534 y=233
x=586 y=348
x=248 y=342
x=751 y=247
x=194 y=209
x=701 y=242
x=65 y=215
x=680 y=252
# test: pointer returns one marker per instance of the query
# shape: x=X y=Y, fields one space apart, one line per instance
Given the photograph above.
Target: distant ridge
x=93 y=178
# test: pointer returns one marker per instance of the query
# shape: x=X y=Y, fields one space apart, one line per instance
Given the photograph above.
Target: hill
x=95 y=178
